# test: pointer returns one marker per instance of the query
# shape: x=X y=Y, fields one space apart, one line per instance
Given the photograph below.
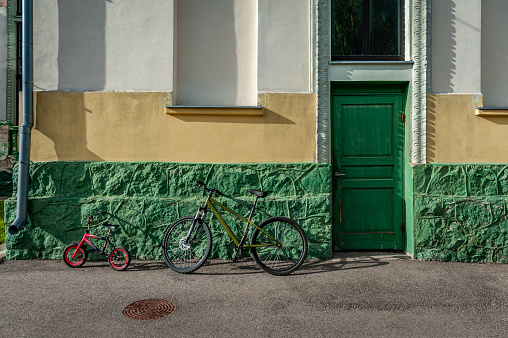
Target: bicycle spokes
x=119 y=258
x=286 y=253
x=180 y=253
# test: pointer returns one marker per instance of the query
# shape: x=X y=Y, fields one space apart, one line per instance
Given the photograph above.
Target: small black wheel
x=285 y=251
x=74 y=256
x=180 y=255
x=119 y=258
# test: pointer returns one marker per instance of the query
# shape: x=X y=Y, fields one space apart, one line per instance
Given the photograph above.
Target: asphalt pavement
x=351 y=295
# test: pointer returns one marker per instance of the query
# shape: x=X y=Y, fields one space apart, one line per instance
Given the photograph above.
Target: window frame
x=366 y=37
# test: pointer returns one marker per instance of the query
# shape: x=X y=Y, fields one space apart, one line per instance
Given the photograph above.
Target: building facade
x=376 y=124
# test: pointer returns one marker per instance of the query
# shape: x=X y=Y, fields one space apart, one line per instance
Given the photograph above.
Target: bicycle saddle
x=110 y=226
x=258 y=193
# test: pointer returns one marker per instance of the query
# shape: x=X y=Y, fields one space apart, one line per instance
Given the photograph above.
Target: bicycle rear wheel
x=119 y=258
x=279 y=258
x=73 y=256
x=185 y=257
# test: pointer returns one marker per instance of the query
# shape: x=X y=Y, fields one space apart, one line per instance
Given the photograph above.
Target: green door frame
x=387 y=88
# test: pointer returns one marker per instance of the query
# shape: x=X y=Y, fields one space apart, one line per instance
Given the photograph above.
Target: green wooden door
x=367 y=150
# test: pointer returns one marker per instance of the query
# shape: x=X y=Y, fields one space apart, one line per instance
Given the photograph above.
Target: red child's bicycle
x=75 y=254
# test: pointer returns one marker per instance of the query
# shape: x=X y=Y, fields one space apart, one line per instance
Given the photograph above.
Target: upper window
x=367 y=30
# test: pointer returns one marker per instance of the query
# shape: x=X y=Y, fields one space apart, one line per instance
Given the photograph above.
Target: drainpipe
x=27 y=118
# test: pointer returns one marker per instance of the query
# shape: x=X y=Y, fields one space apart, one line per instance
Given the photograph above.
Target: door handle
x=339 y=174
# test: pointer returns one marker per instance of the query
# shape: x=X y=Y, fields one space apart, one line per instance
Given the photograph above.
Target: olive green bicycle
x=278 y=244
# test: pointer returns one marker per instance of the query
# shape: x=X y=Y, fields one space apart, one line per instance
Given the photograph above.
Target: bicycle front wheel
x=119 y=258
x=182 y=255
x=73 y=256
x=284 y=250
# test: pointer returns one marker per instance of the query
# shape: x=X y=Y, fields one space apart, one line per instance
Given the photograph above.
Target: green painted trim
x=408 y=207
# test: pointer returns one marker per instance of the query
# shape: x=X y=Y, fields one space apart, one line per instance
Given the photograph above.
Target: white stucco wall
x=3 y=61
x=284 y=46
x=494 y=53
x=103 y=45
x=456 y=46
x=216 y=52
x=253 y=46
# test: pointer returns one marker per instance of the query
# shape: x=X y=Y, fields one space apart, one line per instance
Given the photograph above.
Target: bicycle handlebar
x=210 y=190
x=92 y=217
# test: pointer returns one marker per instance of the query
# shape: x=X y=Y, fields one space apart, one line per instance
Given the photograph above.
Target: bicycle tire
x=77 y=261
x=119 y=258
x=279 y=260
x=184 y=258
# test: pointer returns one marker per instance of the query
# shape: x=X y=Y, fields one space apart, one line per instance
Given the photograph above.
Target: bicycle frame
x=86 y=240
x=239 y=243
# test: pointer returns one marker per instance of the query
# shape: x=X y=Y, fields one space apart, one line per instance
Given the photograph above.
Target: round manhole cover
x=148 y=309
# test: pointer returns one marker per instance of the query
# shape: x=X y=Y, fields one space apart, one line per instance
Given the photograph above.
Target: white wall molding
x=321 y=24
x=419 y=51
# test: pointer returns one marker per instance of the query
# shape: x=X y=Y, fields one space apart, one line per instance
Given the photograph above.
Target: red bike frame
x=86 y=236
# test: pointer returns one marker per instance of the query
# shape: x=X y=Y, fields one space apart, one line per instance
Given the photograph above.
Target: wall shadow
x=81 y=46
x=431 y=128
x=269 y=117
x=499 y=120
x=448 y=54
x=62 y=117
x=81 y=66
x=494 y=53
x=206 y=52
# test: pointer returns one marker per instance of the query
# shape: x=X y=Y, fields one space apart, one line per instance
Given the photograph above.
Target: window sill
x=366 y=62
x=215 y=110
x=491 y=111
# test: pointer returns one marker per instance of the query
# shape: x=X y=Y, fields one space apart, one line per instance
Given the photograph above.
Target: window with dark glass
x=367 y=30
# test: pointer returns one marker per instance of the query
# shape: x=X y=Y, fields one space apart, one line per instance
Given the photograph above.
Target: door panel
x=367 y=132
x=376 y=214
x=358 y=138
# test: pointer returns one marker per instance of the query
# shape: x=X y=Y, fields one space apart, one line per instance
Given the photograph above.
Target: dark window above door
x=367 y=30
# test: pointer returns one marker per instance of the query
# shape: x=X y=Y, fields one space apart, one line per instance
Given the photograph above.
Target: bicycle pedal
x=237 y=257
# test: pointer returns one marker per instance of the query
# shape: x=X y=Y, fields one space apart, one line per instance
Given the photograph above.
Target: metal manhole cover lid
x=148 y=309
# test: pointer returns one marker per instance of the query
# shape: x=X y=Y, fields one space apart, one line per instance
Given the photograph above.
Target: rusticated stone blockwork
x=144 y=197
x=460 y=212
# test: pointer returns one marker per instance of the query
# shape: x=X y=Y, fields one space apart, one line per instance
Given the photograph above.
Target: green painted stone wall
x=144 y=197
x=460 y=212
x=5 y=184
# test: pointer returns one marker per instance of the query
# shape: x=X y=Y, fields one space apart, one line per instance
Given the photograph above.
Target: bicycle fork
x=193 y=230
